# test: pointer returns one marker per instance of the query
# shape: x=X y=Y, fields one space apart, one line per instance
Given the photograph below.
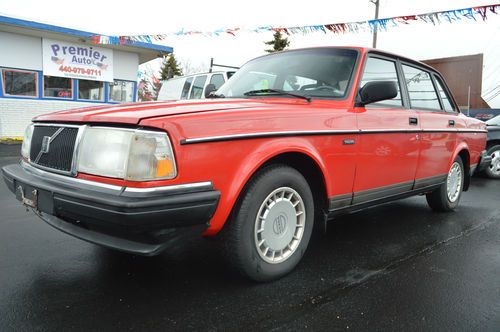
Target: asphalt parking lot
x=396 y=266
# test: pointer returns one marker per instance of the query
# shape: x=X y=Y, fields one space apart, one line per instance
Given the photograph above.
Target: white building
x=45 y=68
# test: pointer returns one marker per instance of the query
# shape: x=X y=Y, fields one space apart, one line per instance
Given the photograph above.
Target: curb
x=11 y=140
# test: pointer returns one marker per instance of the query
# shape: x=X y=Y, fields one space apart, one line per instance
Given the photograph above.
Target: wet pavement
x=396 y=266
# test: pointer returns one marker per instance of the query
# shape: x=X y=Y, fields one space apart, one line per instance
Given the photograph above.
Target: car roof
x=198 y=74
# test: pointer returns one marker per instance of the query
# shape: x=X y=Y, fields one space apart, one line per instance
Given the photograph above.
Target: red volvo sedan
x=291 y=139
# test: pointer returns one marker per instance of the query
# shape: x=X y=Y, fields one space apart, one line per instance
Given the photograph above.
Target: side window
x=420 y=88
x=197 y=90
x=217 y=80
x=448 y=106
x=186 y=87
x=382 y=70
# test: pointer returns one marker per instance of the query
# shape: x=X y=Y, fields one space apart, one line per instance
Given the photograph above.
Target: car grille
x=58 y=153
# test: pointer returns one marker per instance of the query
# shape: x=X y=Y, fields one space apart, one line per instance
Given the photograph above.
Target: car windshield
x=318 y=72
x=494 y=121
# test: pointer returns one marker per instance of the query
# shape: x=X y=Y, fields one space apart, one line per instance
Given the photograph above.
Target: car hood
x=133 y=113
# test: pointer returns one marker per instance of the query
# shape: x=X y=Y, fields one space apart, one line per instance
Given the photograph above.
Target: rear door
x=439 y=121
x=388 y=144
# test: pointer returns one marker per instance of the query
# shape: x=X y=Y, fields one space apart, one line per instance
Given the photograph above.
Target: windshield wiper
x=277 y=92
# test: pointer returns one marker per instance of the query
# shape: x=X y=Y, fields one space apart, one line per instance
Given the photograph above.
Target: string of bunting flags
x=449 y=16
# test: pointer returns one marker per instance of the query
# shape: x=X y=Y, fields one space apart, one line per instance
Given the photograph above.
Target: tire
x=447 y=196
x=493 y=170
x=266 y=217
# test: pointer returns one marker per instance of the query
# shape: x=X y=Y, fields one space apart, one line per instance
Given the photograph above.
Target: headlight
x=25 y=149
x=135 y=155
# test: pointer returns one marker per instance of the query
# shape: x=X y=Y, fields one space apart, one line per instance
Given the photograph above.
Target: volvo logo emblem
x=45 y=144
x=279 y=224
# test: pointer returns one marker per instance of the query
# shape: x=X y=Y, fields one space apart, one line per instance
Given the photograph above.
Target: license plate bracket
x=27 y=202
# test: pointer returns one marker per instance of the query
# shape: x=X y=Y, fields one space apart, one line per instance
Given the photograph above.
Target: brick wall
x=16 y=114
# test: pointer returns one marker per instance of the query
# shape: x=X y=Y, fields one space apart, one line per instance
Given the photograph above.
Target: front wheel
x=271 y=226
x=446 y=197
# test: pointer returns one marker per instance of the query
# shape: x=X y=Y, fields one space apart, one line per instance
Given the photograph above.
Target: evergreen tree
x=170 y=67
x=278 y=43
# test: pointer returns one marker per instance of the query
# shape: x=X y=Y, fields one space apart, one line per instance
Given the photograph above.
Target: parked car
x=197 y=86
x=493 y=147
x=483 y=114
x=293 y=138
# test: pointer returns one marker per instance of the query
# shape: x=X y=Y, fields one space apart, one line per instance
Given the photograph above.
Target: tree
x=170 y=67
x=278 y=43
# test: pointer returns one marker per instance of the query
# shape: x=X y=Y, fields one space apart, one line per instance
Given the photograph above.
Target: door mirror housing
x=375 y=91
x=209 y=89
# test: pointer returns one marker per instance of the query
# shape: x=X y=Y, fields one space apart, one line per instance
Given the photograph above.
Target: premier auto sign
x=65 y=59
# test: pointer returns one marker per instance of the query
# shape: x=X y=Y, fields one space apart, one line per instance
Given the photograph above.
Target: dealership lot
x=394 y=266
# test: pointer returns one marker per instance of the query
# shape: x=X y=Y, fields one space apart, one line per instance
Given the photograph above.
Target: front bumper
x=137 y=221
x=484 y=162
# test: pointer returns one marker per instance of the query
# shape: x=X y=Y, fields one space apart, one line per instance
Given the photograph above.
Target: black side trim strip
x=223 y=138
x=265 y=135
x=339 y=201
x=357 y=207
x=377 y=193
x=422 y=183
x=366 y=198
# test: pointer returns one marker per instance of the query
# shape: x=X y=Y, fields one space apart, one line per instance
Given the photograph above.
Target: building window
x=90 y=90
x=20 y=82
x=57 y=87
x=121 y=91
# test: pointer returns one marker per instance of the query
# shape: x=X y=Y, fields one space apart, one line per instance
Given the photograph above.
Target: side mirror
x=375 y=91
x=209 y=89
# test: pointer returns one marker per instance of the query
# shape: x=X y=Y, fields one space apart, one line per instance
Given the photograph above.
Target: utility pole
x=376 y=3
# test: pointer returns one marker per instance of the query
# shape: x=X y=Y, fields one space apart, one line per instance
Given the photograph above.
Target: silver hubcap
x=495 y=162
x=279 y=225
x=454 y=182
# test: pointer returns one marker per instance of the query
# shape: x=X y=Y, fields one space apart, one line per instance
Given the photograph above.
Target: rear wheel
x=270 y=229
x=446 y=197
x=493 y=170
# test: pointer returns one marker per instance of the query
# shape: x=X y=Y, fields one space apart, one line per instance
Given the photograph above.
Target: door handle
x=348 y=142
x=451 y=122
x=413 y=121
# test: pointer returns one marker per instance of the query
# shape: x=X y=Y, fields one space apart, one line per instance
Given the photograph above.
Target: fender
x=460 y=146
x=254 y=160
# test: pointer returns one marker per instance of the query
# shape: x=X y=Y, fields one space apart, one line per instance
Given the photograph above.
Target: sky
x=416 y=40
